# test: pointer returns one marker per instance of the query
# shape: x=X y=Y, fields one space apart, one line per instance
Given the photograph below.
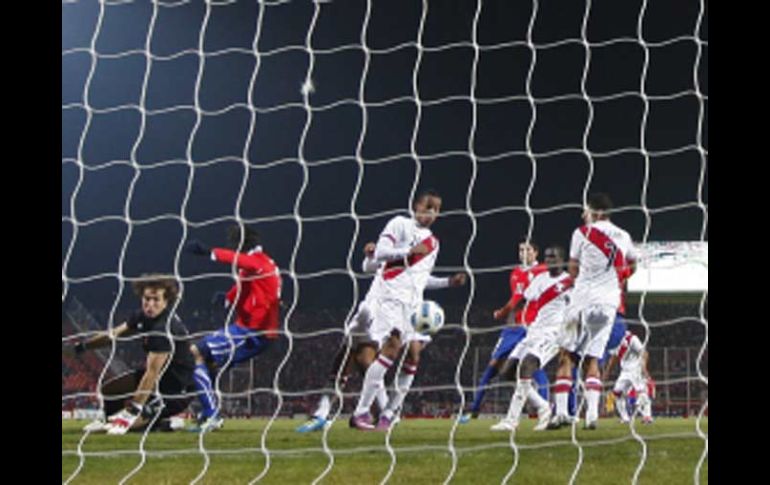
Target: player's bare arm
x=154 y=366
x=573 y=267
x=101 y=339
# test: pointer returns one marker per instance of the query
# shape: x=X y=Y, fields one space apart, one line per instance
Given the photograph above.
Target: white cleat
x=543 y=418
x=96 y=426
x=176 y=423
x=504 y=425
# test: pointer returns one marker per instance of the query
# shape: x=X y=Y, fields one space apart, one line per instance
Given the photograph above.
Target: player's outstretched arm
x=101 y=339
x=513 y=305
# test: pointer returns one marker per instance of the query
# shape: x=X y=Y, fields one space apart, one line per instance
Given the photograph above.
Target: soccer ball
x=429 y=317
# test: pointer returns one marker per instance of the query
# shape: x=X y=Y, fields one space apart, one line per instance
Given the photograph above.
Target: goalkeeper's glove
x=122 y=421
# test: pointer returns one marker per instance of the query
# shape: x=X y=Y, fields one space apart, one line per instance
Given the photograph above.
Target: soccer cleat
x=176 y=422
x=504 y=425
x=543 y=419
x=209 y=424
x=647 y=420
x=384 y=424
x=559 y=421
x=624 y=420
x=590 y=425
x=362 y=422
x=96 y=426
x=466 y=418
x=316 y=423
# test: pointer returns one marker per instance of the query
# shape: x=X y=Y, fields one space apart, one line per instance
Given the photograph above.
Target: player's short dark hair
x=426 y=193
x=600 y=202
x=532 y=243
x=251 y=237
x=157 y=281
x=559 y=250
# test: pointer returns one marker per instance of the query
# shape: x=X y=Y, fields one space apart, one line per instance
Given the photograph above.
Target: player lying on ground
x=520 y=317
x=168 y=366
x=256 y=296
x=549 y=291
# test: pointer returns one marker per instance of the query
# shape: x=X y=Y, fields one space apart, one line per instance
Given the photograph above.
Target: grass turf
x=610 y=454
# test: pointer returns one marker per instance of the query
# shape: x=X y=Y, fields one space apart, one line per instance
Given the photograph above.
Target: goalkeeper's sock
x=489 y=374
x=206 y=393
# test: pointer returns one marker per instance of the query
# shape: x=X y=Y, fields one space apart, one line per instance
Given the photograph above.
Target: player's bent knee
x=529 y=366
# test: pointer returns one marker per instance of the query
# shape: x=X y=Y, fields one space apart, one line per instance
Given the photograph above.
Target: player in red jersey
x=510 y=336
x=256 y=297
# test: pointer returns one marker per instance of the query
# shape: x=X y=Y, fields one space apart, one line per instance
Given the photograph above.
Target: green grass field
x=610 y=454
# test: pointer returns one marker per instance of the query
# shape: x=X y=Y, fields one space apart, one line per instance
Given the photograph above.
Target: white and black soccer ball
x=429 y=317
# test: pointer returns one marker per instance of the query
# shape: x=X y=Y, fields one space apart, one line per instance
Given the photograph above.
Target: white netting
x=271 y=47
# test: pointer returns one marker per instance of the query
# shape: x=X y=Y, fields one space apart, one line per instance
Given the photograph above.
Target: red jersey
x=520 y=280
x=259 y=301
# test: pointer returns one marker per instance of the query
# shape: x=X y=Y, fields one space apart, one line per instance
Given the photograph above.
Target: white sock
x=403 y=384
x=382 y=398
x=518 y=399
x=324 y=406
x=593 y=392
x=561 y=395
x=644 y=404
x=620 y=405
x=374 y=380
x=535 y=398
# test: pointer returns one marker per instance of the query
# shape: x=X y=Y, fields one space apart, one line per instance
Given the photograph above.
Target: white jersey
x=630 y=353
x=551 y=295
x=375 y=290
x=597 y=280
x=404 y=277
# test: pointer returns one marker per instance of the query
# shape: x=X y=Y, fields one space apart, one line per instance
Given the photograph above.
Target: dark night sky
x=154 y=196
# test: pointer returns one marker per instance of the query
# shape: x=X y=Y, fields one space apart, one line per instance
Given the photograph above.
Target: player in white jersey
x=633 y=375
x=363 y=344
x=549 y=292
x=597 y=251
x=409 y=250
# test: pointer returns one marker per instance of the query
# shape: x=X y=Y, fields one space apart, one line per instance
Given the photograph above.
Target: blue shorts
x=616 y=336
x=243 y=345
x=509 y=339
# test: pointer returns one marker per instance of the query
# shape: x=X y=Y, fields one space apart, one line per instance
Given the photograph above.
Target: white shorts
x=543 y=344
x=630 y=379
x=588 y=329
x=360 y=325
x=395 y=316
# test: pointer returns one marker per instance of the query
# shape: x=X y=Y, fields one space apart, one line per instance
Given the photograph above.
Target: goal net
x=318 y=121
